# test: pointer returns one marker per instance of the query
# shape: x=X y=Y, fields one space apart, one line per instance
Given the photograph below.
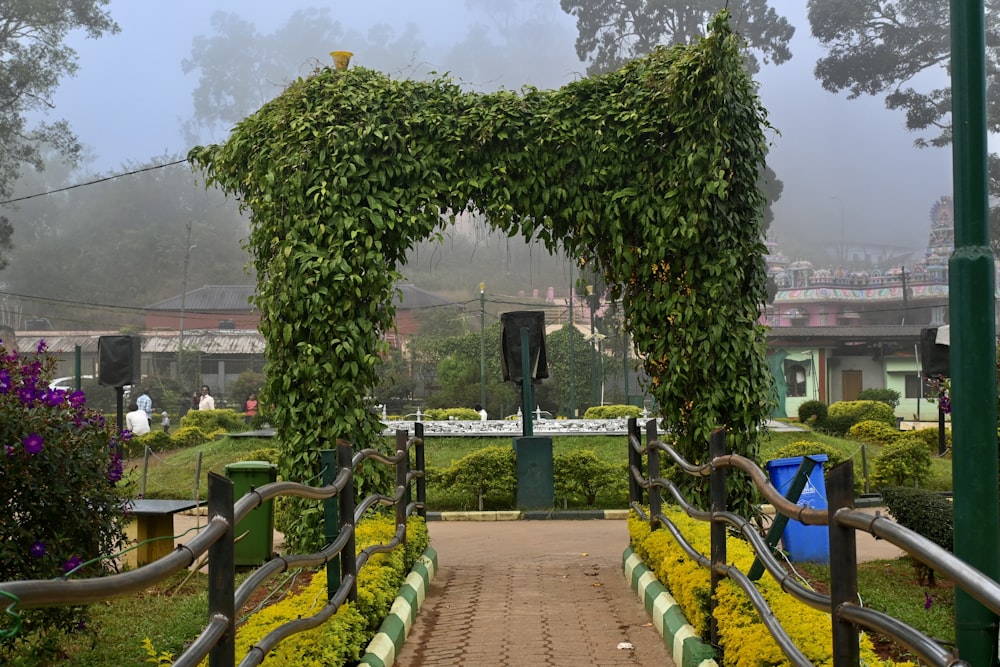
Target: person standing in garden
x=145 y=403
x=206 y=402
x=251 y=407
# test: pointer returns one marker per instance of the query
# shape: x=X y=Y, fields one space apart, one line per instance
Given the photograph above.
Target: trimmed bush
x=862 y=410
x=582 y=476
x=489 y=473
x=815 y=410
x=612 y=412
x=444 y=414
x=929 y=436
x=873 y=432
x=157 y=441
x=836 y=426
x=904 y=462
x=887 y=396
x=209 y=421
x=926 y=513
x=189 y=436
x=341 y=639
x=742 y=633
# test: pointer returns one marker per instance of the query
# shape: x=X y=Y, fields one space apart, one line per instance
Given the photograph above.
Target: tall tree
x=33 y=58
x=902 y=49
x=612 y=32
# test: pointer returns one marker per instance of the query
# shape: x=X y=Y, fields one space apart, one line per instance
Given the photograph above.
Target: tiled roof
x=211 y=298
x=236 y=298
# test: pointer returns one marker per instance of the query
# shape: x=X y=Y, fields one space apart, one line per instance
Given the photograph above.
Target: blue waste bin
x=802 y=542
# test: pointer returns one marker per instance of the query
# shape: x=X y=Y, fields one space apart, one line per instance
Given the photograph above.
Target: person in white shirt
x=482 y=412
x=136 y=420
x=206 y=402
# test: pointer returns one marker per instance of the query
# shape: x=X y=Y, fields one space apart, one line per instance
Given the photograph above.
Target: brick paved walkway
x=540 y=593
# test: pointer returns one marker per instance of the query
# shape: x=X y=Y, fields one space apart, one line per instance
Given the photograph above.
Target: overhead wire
x=95 y=181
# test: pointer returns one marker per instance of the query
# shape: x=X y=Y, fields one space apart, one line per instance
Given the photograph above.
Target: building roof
x=414 y=298
x=814 y=335
x=208 y=341
x=211 y=298
x=236 y=298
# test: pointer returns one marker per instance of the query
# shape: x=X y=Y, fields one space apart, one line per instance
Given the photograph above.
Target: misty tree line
x=95 y=255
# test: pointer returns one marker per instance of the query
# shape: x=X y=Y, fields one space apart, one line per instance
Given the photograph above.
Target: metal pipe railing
x=217 y=640
x=847 y=615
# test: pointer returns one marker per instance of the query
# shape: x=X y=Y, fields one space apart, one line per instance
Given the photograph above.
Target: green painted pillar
x=973 y=336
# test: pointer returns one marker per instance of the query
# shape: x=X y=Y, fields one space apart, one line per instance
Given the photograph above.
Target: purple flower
x=42 y=346
x=27 y=394
x=928 y=600
x=10 y=450
x=72 y=564
x=54 y=397
x=115 y=470
x=32 y=443
x=77 y=399
x=38 y=549
x=4 y=381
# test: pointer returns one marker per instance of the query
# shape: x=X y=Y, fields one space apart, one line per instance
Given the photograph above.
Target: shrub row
x=490 y=474
x=742 y=635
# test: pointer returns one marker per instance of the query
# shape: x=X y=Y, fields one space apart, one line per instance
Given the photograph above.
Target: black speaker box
x=936 y=359
x=118 y=360
x=510 y=344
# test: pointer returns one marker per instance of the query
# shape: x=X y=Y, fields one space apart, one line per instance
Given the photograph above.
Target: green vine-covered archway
x=647 y=174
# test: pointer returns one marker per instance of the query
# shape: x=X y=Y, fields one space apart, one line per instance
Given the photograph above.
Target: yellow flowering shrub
x=342 y=638
x=742 y=635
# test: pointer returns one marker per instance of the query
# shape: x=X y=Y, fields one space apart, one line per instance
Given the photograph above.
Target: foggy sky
x=130 y=98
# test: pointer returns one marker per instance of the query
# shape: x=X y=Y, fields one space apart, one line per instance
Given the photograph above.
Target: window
x=795 y=378
x=912 y=389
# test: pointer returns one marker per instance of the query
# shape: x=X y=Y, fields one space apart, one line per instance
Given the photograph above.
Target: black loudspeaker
x=118 y=360
x=510 y=344
x=936 y=358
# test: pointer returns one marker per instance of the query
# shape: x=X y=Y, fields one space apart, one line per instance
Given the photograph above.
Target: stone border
x=686 y=647
x=386 y=644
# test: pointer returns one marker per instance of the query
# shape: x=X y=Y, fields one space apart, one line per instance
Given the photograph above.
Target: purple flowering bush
x=63 y=499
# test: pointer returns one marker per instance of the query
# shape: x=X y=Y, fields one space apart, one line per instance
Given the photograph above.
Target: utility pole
x=572 y=349
x=482 y=344
x=184 y=287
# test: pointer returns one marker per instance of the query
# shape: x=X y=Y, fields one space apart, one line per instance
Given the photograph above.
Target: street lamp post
x=593 y=348
x=482 y=344
x=572 y=347
x=180 y=337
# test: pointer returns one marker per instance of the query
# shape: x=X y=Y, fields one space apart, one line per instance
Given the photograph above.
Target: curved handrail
x=223 y=517
x=842 y=522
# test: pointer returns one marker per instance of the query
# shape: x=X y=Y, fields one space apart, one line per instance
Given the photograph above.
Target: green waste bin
x=257 y=546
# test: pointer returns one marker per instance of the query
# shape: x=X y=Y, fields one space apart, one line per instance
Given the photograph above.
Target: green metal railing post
x=973 y=335
x=331 y=519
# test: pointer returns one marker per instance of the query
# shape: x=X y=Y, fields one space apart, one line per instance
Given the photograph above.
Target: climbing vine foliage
x=647 y=174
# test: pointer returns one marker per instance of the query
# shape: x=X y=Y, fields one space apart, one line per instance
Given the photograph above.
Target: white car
x=67 y=382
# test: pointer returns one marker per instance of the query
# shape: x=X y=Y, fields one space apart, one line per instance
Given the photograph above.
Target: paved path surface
x=519 y=593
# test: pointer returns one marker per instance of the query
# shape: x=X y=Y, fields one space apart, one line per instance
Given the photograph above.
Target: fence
x=841 y=517
x=217 y=640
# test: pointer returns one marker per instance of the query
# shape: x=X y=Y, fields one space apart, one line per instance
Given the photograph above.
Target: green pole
x=973 y=336
x=482 y=344
x=572 y=350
